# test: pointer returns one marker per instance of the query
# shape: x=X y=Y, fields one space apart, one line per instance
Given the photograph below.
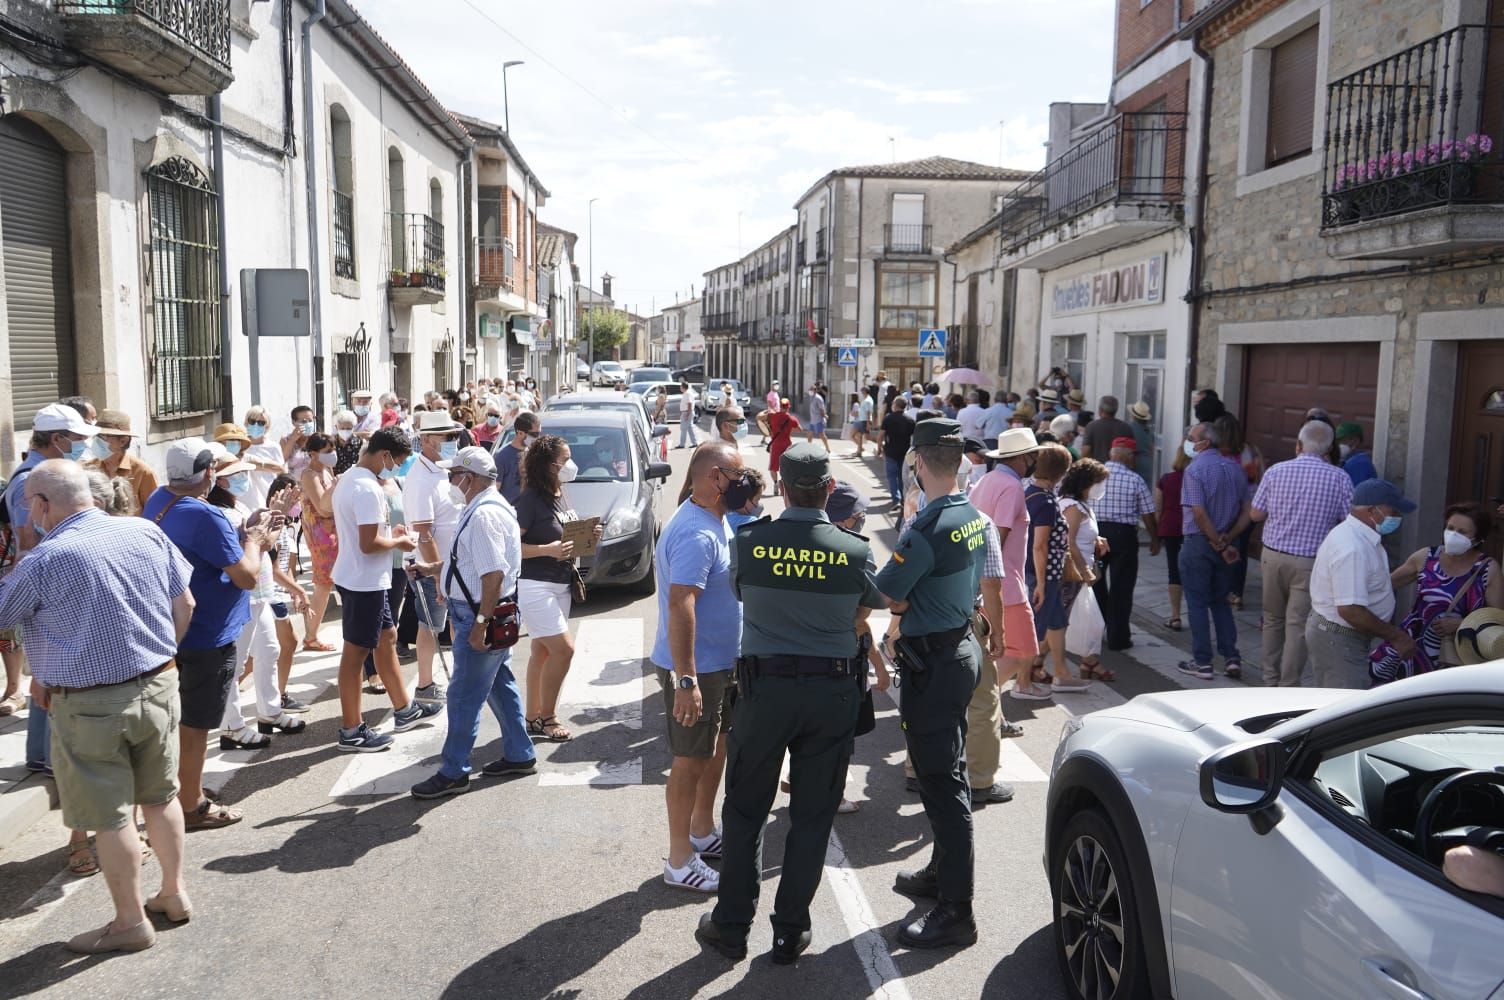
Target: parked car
x=626 y=402
x=1280 y=842
x=693 y=374
x=620 y=483
x=581 y=370
x=650 y=373
x=710 y=399
x=648 y=393
x=607 y=373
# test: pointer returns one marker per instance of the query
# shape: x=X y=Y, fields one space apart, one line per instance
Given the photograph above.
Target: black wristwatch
x=687 y=682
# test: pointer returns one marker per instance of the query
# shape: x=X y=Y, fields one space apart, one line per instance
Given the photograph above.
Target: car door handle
x=1390 y=977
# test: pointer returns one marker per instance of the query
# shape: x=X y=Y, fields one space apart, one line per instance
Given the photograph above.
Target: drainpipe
x=315 y=275
x=226 y=343
x=1198 y=231
x=460 y=270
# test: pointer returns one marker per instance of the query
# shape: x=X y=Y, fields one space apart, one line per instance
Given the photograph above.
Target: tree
x=608 y=329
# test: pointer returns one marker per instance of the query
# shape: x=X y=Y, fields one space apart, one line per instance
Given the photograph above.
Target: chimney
x=606 y=285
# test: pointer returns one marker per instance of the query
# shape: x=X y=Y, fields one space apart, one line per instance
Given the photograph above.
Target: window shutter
x=1292 y=97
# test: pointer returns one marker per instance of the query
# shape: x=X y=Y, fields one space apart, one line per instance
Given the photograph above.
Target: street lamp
x=506 y=107
x=590 y=308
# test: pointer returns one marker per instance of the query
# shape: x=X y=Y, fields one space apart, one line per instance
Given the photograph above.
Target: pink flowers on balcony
x=1396 y=163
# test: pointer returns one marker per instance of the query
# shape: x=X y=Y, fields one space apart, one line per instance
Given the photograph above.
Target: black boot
x=788 y=947
x=924 y=883
x=710 y=934
x=946 y=925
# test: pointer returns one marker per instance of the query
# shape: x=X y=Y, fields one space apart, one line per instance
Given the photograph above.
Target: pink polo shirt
x=1000 y=495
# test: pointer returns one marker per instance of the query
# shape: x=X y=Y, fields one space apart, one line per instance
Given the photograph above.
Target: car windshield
x=643 y=388
x=649 y=375
x=609 y=366
x=601 y=454
x=715 y=384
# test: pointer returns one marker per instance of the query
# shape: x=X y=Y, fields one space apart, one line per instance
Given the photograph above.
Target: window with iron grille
x=184 y=352
x=352 y=366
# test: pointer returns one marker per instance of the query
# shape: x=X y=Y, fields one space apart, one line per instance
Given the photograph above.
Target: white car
x=1280 y=842
x=607 y=374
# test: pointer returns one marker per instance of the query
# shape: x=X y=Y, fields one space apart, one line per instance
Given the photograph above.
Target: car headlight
x=1071 y=728
x=623 y=522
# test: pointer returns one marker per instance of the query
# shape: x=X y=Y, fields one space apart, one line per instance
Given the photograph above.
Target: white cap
x=56 y=417
x=472 y=459
x=187 y=458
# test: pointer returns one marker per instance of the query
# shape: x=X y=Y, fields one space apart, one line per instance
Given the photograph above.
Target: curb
x=22 y=805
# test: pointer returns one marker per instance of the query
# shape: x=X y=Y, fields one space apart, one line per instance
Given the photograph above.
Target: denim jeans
x=894 y=468
x=38 y=734
x=1207 y=580
x=480 y=678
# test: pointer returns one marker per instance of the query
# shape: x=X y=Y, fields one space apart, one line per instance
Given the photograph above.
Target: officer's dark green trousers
x=814 y=718
x=932 y=706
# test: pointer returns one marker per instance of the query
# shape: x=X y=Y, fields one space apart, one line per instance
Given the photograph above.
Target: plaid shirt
x=1127 y=498
x=94 y=600
x=1305 y=498
x=1217 y=485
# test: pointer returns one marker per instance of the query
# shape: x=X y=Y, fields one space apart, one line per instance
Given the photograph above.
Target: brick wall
x=1142 y=28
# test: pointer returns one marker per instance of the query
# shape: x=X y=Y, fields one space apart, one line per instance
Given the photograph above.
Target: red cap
x=1125 y=442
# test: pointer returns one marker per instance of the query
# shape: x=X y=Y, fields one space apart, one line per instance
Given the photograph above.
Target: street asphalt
x=339 y=884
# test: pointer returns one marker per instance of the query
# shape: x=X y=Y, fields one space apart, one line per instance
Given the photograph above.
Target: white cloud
x=909 y=95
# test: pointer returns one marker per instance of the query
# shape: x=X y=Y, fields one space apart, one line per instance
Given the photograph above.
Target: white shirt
x=359 y=499
x=1086 y=533
x=1351 y=569
x=490 y=541
x=687 y=400
x=368 y=424
x=425 y=497
x=261 y=482
x=970 y=418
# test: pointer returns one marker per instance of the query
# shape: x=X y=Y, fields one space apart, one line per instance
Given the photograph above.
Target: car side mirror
x=1244 y=778
x=660 y=430
x=659 y=470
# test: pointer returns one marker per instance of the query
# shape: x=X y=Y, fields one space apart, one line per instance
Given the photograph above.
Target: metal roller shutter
x=38 y=282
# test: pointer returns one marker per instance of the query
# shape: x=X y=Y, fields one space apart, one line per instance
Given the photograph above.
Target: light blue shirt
x=694 y=550
x=996 y=420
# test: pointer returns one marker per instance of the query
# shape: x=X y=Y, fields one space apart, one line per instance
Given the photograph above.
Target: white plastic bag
x=1083 y=635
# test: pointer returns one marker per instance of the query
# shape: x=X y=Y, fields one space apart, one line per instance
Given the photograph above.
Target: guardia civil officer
x=932 y=582
x=806 y=588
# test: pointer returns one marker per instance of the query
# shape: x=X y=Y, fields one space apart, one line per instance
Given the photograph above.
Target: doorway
x=1477 y=471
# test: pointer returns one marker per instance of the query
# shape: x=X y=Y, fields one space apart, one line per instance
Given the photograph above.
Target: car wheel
x=649 y=582
x=1097 y=934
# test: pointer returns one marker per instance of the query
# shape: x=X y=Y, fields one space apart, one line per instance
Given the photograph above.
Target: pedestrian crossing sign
x=932 y=343
x=846 y=357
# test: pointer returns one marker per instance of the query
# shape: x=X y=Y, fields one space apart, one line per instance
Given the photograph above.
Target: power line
x=590 y=93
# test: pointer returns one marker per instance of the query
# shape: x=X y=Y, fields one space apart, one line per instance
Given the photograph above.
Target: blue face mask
x=255 y=430
x=741 y=429
x=1389 y=525
x=239 y=484
x=448 y=449
x=233 y=447
x=407 y=464
x=98 y=450
x=78 y=451
x=361 y=411
x=389 y=473
x=307 y=427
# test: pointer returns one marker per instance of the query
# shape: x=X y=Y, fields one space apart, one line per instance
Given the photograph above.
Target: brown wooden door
x=1478 y=429
x=1282 y=381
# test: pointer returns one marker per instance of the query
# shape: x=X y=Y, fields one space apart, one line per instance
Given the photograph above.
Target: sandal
x=1235 y=602
x=317 y=646
x=12 y=703
x=81 y=860
x=211 y=815
x=1097 y=672
x=1039 y=675
x=1174 y=624
x=547 y=726
x=1010 y=729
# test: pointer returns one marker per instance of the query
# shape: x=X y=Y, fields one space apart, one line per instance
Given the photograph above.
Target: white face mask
x=345 y=433
x=568 y=472
x=1455 y=543
x=1345 y=450
x=1190 y=449
x=1097 y=492
x=457 y=495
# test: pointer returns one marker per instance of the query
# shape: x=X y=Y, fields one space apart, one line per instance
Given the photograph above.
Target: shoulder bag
x=504 y=628
x=576 y=581
x=1448 y=656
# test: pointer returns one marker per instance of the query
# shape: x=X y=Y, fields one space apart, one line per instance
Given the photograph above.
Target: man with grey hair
x=1214 y=505
x=1299 y=502
x=973 y=415
x=113 y=665
x=1097 y=437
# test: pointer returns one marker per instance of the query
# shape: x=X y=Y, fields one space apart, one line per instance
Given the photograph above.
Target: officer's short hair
x=806 y=496
x=941 y=456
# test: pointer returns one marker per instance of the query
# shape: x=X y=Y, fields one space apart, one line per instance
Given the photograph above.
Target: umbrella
x=965 y=376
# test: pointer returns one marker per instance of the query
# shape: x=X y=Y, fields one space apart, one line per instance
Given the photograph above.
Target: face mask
x=389 y=473
x=1097 y=492
x=464 y=397
x=328 y=458
x=78 y=450
x=361 y=411
x=345 y=433
x=457 y=496
x=448 y=449
x=493 y=421
x=1190 y=449
x=233 y=447
x=1345 y=450
x=570 y=470
x=1389 y=525
x=307 y=427
x=738 y=493
x=239 y=483
x=407 y=463
x=255 y=430
x=1455 y=543
x=741 y=429
x=98 y=449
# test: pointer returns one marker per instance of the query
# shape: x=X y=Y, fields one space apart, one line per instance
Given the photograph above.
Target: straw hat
x=115 y=423
x=1480 y=637
x=1139 y=411
x=1013 y=442
x=436 y=422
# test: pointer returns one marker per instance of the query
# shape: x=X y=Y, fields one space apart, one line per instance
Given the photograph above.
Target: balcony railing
x=495 y=261
x=812 y=324
x=906 y=239
x=344 y=233
x=819 y=245
x=720 y=322
x=1415 y=130
x=179 y=46
x=417 y=248
x=1137 y=157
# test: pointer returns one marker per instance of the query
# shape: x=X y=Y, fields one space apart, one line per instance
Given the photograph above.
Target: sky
x=697 y=123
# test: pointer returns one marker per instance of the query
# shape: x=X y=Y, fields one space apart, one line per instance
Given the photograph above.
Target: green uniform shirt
x=801 y=579
x=937 y=567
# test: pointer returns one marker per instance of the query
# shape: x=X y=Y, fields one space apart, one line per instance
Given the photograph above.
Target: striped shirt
x=1218 y=486
x=1127 y=498
x=1305 y=499
x=94 y=600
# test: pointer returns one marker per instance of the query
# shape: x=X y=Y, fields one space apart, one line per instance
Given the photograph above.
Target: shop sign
x=1141 y=283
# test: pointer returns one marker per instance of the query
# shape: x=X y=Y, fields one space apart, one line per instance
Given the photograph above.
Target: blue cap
x=844 y=502
x=1381 y=493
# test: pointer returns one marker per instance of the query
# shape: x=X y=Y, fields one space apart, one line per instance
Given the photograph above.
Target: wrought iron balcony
x=906 y=239
x=343 y=218
x=1132 y=168
x=811 y=324
x=417 y=258
x=1410 y=160
x=176 y=46
x=820 y=248
x=724 y=322
x=495 y=264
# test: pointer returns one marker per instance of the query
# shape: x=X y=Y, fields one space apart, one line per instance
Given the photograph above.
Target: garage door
x=1283 y=381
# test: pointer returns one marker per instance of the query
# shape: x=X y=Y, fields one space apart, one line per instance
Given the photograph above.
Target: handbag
x=1448 y=655
x=505 y=626
x=576 y=581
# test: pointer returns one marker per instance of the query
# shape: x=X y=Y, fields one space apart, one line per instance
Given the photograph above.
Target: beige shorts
x=115 y=747
x=717 y=691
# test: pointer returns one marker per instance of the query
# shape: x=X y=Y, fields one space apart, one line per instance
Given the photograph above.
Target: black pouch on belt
x=911 y=660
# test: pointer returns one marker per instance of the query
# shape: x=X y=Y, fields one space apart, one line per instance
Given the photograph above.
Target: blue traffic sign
x=846 y=357
x=932 y=343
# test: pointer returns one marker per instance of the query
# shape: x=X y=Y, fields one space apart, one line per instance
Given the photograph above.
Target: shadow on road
x=329 y=837
x=44 y=966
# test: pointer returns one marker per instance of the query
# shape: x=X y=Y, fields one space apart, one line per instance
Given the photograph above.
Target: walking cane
x=423 y=603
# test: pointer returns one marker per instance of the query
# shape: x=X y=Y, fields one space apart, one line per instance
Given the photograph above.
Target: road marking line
x=604 y=774
x=871 y=948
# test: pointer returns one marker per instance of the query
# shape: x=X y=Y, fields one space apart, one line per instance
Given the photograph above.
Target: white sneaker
x=709 y=846
x=696 y=876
